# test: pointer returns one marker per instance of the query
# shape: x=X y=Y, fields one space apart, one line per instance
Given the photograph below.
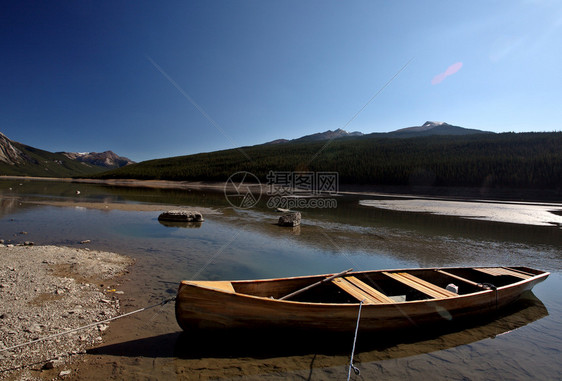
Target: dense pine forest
x=510 y=160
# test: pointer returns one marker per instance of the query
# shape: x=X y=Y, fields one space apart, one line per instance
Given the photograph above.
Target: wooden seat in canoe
x=497 y=271
x=421 y=285
x=361 y=291
x=220 y=285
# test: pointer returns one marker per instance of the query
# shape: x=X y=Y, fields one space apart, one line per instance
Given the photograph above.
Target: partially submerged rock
x=290 y=219
x=181 y=216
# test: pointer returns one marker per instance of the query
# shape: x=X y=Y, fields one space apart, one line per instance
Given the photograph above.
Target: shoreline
x=461 y=193
x=121 y=206
x=464 y=203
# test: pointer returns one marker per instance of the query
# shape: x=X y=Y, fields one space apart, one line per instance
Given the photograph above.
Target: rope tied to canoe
x=91 y=325
x=351 y=366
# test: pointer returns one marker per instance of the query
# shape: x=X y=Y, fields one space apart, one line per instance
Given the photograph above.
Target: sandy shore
x=120 y=206
x=515 y=213
x=46 y=290
x=160 y=184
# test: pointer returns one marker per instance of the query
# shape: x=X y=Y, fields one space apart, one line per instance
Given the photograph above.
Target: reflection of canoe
x=371 y=347
x=392 y=299
x=290 y=354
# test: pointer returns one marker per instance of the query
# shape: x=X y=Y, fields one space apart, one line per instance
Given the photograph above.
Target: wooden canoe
x=391 y=299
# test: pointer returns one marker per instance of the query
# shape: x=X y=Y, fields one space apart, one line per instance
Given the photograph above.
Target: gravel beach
x=46 y=290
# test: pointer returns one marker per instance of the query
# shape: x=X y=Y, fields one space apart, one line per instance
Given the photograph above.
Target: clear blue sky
x=153 y=79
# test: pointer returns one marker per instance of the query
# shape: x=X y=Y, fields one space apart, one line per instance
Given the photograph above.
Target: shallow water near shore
x=246 y=244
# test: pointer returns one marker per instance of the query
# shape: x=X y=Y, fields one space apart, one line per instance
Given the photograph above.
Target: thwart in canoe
x=391 y=299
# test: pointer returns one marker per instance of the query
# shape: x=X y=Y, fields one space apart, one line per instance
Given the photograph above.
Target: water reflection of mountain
x=348 y=212
x=9 y=205
x=417 y=238
x=425 y=240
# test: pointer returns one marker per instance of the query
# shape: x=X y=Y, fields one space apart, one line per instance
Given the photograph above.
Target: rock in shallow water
x=181 y=216
x=290 y=219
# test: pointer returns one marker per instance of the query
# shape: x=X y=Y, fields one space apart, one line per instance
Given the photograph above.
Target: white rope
x=86 y=326
x=351 y=366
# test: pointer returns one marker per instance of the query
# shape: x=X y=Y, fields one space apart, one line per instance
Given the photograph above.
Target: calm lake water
x=232 y=243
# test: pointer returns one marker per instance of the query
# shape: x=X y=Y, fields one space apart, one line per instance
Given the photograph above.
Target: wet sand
x=509 y=212
x=120 y=206
x=159 y=184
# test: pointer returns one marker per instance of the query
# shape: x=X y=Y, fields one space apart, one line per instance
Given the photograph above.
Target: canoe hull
x=203 y=308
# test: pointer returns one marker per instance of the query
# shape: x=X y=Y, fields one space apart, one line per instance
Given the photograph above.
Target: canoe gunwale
x=321 y=276
x=201 y=284
x=350 y=305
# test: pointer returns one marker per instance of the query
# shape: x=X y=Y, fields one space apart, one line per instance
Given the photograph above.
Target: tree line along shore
x=506 y=160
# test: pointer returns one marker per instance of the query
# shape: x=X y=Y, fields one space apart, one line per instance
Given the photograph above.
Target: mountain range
x=327 y=135
x=22 y=160
x=106 y=159
x=429 y=128
x=432 y=128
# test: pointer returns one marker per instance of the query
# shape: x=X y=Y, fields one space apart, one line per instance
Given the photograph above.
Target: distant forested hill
x=520 y=160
